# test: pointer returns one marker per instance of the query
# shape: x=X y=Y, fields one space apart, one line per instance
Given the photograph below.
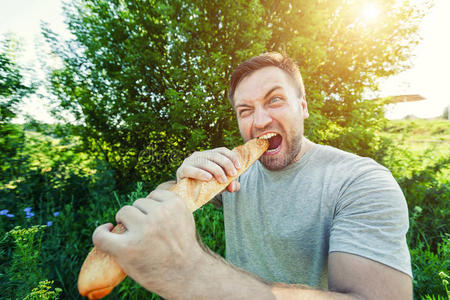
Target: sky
x=430 y=74
x=428 y=77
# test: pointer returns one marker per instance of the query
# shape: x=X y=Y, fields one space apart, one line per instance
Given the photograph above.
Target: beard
x=292 y=145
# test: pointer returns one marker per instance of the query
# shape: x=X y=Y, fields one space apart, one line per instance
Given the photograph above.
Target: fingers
x=130 y=216
x=193 y=172
x=162 y=196
x=234 y=186
x=168 y=198
x=203 y=165
x=215 y=169
x=231 y=155
x=148 y=204
x=166 y=185
x=105 y=240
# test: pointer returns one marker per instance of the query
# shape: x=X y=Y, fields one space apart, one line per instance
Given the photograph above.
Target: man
x=303 y=214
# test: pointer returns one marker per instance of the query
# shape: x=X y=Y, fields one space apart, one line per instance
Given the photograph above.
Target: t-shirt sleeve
x=371 y=217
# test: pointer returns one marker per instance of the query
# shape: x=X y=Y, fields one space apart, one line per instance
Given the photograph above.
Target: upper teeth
x=267 y=136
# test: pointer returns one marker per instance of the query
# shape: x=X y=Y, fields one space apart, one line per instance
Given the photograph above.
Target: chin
x=279 y=160
x=274 y=164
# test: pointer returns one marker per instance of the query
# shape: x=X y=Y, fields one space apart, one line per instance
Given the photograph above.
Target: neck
x=304 y=147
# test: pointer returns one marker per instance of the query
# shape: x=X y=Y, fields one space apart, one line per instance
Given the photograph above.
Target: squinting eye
x=244 y=112
x=274 y=99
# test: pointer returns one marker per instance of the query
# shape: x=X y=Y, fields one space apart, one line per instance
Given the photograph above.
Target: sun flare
x=370 y=12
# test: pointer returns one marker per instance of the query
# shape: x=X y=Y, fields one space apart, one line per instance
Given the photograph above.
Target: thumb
x=105 y=240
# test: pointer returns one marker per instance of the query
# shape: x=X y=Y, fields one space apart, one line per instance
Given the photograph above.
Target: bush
x=427 y=197
x=57 y=186
x=429 y=267
x=44 y=292
x=24 y=268
x=422 y=173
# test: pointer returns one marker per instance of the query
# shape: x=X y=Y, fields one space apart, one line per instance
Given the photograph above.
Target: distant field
x=420 y=143
x=421 y=135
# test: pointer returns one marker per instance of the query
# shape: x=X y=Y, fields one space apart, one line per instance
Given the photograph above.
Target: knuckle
x=153 y=193
x=96 y=237
x=124 y=209
x=139 y=201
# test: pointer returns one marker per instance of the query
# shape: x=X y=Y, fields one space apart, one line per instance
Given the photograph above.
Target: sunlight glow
x=370 y=12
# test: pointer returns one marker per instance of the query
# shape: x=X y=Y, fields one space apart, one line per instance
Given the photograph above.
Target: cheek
x=245 y=128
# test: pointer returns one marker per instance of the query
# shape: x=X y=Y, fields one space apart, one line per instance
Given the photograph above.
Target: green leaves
x=140 y=66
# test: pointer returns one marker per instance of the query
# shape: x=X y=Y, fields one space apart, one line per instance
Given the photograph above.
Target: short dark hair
x=269 y=59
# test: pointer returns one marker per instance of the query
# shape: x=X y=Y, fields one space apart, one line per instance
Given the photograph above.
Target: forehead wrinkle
x=269 y=91
x=258 y=80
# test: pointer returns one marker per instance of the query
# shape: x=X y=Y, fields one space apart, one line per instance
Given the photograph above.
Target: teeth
x=267 y=136
x=273 y=150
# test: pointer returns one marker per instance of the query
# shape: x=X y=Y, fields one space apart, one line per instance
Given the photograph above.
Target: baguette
x=100 y=273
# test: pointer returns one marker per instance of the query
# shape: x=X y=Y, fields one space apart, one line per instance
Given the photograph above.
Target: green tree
x=150 y=77
x=12 y=90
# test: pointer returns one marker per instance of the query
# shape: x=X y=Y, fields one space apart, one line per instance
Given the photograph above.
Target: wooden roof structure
x=405 y=98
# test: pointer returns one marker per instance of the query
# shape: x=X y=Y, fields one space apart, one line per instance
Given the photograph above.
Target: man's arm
x=161 y=252
x=350 y=277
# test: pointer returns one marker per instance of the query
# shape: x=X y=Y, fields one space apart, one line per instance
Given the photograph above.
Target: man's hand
x=207 y=164
x=159 y=247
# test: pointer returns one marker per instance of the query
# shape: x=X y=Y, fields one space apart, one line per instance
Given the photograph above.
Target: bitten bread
x=100 y=273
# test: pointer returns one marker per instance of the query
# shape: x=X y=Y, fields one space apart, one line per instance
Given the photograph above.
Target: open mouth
x=274 y=142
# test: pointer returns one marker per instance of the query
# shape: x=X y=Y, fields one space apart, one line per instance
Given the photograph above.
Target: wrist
x=214 y=278
x=180 y=280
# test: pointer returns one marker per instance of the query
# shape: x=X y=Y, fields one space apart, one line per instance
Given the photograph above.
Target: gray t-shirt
x=281 y=225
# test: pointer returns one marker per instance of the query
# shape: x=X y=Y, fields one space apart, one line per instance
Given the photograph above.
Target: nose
x=261 y=118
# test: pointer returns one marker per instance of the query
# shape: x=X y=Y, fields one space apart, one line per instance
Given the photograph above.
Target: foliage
x=12 y=86
x=12 y=89
x=429 y=199
x=419 y=135
x=25 y=268
x=419 y=160
x=210 y=227
x=429 y=269
x=139 y=72
x=53 y=174
x=423 y=174
x=44 y=292
x=58 y=187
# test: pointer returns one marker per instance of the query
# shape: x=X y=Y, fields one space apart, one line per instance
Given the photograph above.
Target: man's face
x=267 y=101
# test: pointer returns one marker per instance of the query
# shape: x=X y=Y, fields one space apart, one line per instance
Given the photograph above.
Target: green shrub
x=24 y=268
x=427 y=265
x=427 y=197
x=44 y=292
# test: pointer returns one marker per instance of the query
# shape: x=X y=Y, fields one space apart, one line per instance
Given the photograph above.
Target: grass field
x=420 y=143
x=420 y=135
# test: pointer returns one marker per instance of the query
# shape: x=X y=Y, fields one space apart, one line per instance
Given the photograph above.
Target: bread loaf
x=100 y=273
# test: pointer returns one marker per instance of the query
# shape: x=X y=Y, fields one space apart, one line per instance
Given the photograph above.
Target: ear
x=304 y=107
